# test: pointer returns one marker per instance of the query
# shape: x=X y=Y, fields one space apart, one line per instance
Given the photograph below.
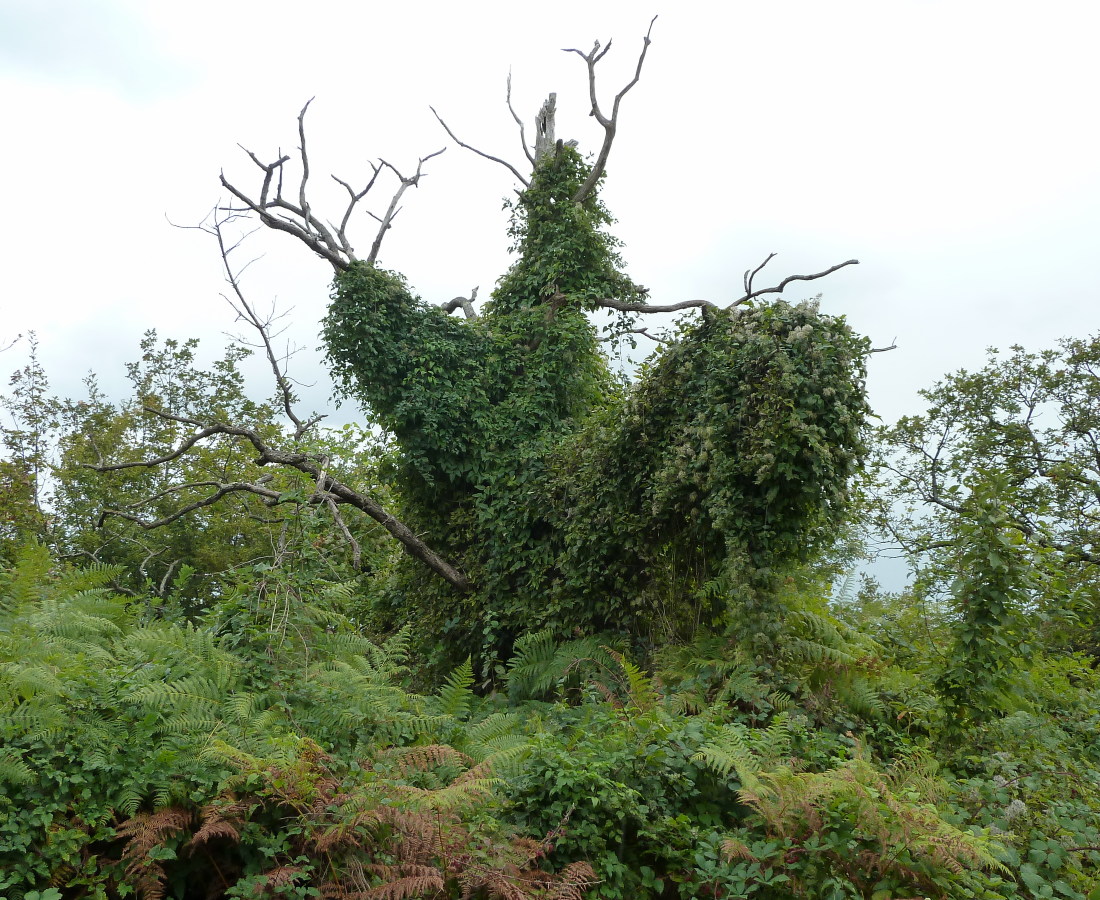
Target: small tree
x=534 y=489
x=29 y=416
x=1022 y=431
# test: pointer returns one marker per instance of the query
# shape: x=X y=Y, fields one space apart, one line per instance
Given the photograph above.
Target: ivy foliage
x=570 y=501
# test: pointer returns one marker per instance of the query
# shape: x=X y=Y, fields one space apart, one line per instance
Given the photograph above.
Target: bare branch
x=627 y=306
x=406 y=183
x=327 y=487
x=519 y=122
x=222 y=490
x=303 y=204
x=162 y=590
x=467 y=305
x=245 y=311
x=298 y=219
x=480 y=153
x=750 y=275
x=642 y=331
x=778 y=289
x=353 y=198
x=356 y=550
x=631 y=306
x=893 y=346
x=610 y=124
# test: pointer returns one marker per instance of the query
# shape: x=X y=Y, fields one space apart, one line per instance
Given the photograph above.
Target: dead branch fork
x=298 y=219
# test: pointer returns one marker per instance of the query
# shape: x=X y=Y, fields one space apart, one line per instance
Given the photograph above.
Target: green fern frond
x=39 y=721
x=862 y=696
x=506 y=761
x=494 y=731
x=744 y=686
x=25 y=682
x=780 y=701
x=456 y=696
x=94 y=576
x=129 y=800
x=773 y=744
x=188 y=693
x=193 y=648
x=462 y=793
x=845 y=592
x=640 y=691
x=529 y=671
x=396 y=647
x=242 y=706
x=541 y=667
x=426 y=725
x=736 y=749
x=729 y=752
x=27 y=579
x=13 y=769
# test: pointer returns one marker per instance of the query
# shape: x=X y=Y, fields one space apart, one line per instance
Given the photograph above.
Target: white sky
x=950 y=146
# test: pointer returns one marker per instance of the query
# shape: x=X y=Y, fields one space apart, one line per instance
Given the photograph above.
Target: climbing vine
x=566 y=498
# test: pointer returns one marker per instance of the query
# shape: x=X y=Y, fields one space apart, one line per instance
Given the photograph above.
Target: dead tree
x=285 y=206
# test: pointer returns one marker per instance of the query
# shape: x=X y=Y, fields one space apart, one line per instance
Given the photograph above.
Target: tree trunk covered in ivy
x=572 y=502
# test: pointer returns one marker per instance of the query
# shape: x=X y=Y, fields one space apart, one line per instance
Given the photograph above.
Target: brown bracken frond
x=283 y=875
x=734 y=849
x=429 y=884
x=143 y=832
x=215 y=824
x=428 y=757
x=575 y=879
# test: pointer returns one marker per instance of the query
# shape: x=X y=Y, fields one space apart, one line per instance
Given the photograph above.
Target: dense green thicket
x=644 y=689
x=252 y=741
x=273 y=750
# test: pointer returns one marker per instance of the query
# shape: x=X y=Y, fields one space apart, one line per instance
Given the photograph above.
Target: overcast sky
x=950 y=146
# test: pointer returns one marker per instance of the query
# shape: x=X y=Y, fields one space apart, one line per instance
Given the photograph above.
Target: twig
x=244 y=311
x=778 y=289
x=750 y=294
x=642 y=331
x=519 y=122
x=406 y=183
x=610 y=125
x=356 y=551
x=481 y=153
x=298 y=219
x=750 y=275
